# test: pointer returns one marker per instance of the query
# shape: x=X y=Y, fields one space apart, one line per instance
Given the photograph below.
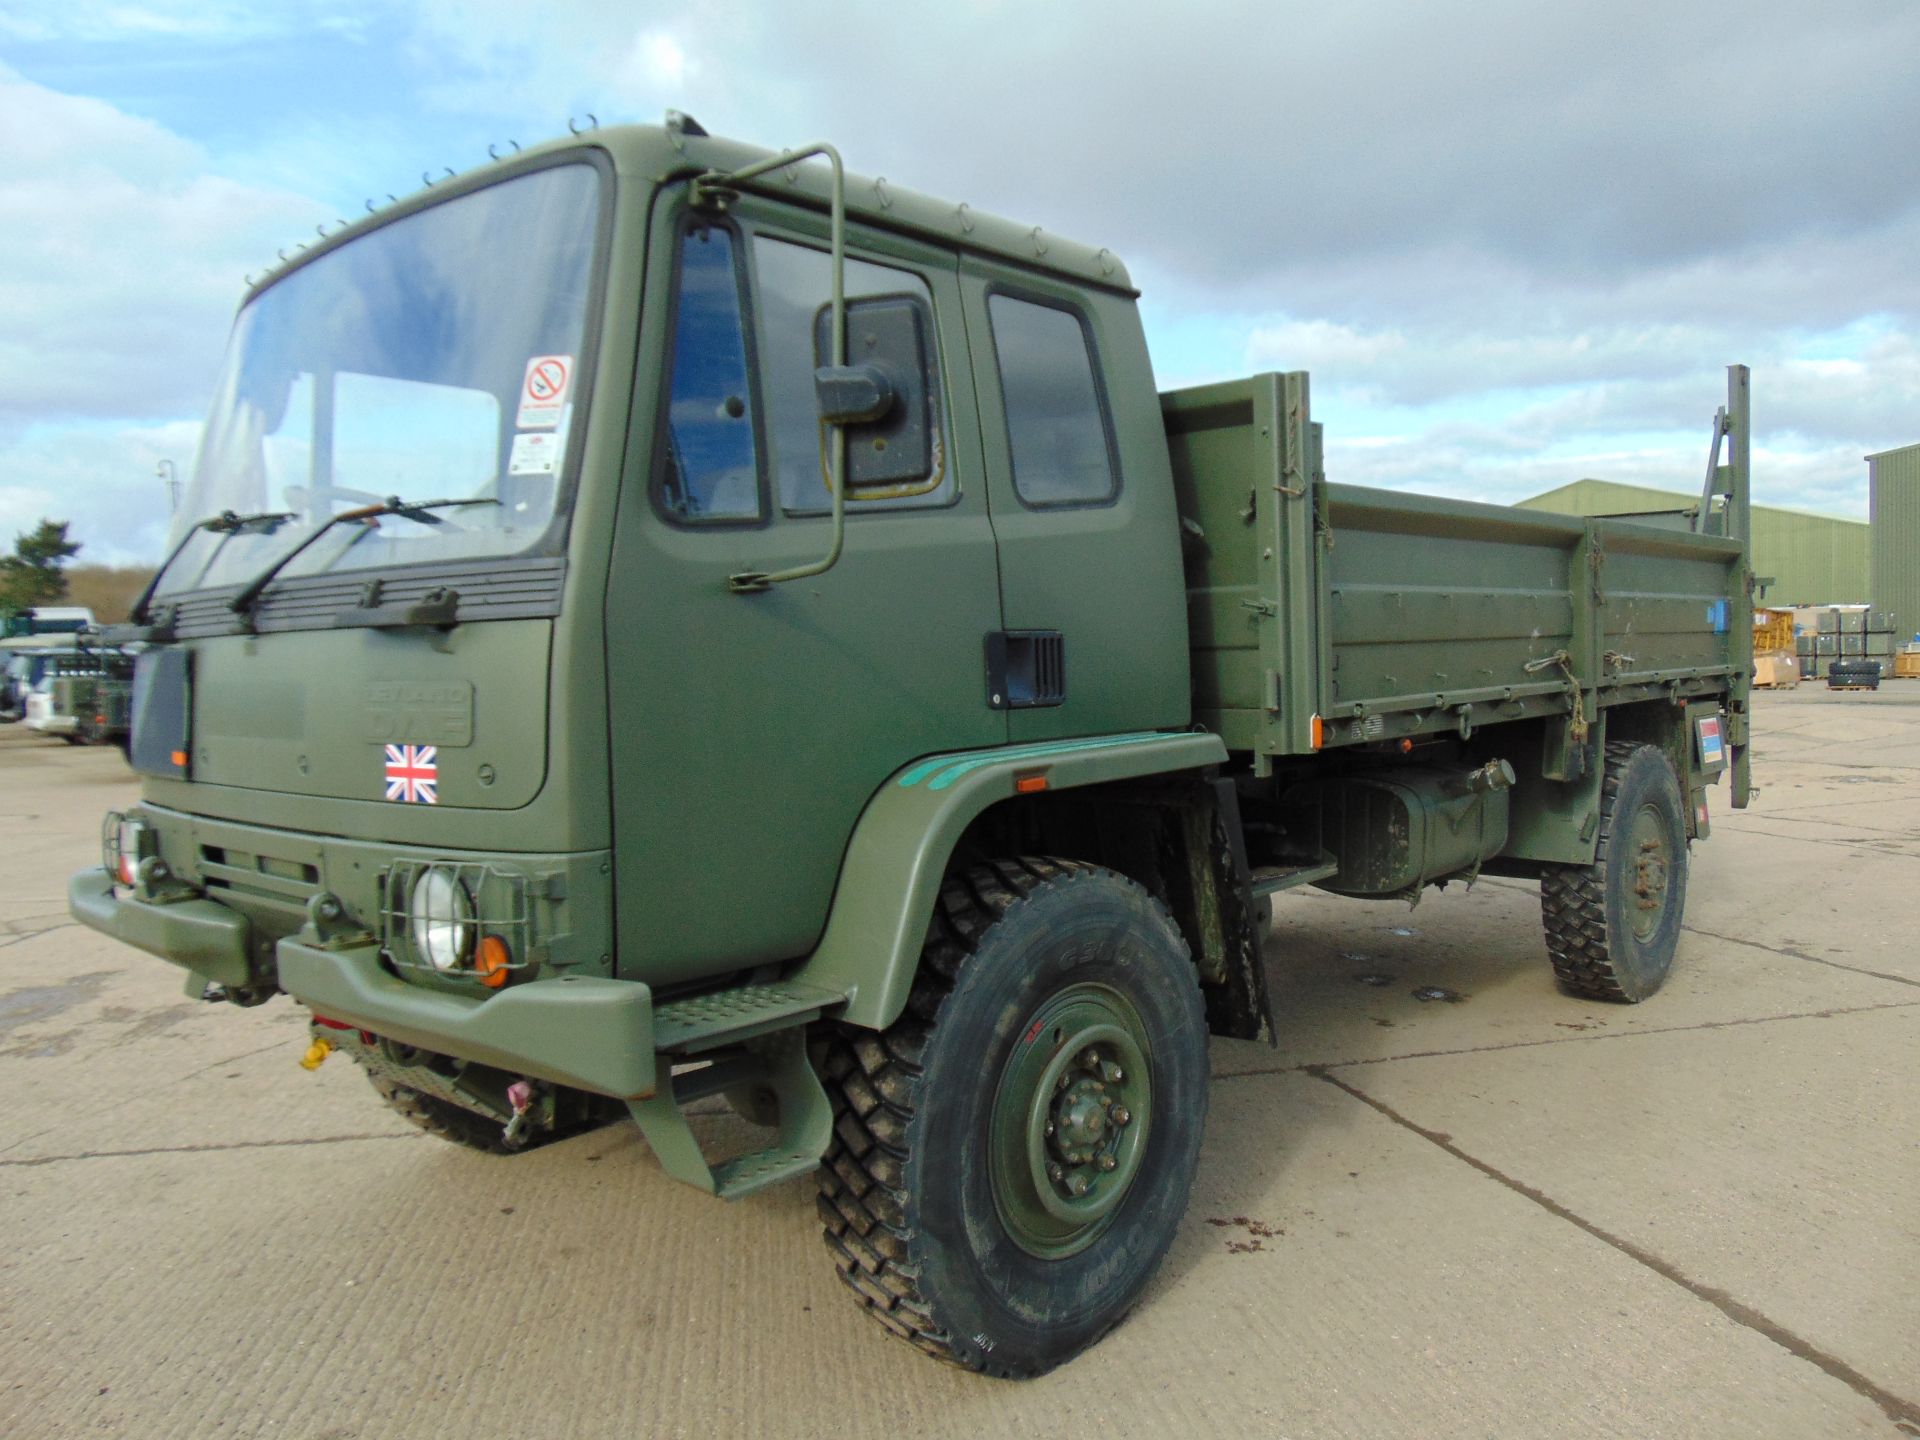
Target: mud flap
x=1216 y=914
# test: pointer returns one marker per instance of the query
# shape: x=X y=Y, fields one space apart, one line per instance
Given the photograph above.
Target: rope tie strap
x=1577 y=725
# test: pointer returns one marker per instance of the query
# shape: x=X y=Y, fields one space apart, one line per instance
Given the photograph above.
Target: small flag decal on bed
x=413 y=774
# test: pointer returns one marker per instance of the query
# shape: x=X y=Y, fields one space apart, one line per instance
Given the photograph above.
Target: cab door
x=750 y=730
x=1091 y=589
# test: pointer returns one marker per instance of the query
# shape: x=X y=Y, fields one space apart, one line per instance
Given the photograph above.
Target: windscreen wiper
x=225 y=523
x=419 y=510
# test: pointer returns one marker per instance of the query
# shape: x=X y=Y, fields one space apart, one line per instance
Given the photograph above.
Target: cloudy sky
x=1515 y=243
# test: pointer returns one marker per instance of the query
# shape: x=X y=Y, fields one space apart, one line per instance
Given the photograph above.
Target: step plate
x=726 y=1016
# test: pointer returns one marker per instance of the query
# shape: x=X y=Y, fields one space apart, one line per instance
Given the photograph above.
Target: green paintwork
x=315 y=732
x=1811 y=559
x=1072 y=1112
x=580 y=1030
x=1893 y=482
x=1650 y=857
x=205 y=937
x=942 y=771
x=748 y=801
x=805 y=1118
x=1393 y=832
x=1308 y=598
x=899 y=851
x=265 y=877
x=1107 y=577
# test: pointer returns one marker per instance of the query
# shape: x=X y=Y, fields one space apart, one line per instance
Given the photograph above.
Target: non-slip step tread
x=678 y=1023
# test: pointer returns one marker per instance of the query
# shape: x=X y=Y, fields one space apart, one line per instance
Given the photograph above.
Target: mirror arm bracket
x=718 y=190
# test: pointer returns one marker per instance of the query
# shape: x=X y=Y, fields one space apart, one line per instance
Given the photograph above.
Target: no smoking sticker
x=543 y=393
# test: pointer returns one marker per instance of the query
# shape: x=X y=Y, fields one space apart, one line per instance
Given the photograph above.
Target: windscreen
x=438 y=357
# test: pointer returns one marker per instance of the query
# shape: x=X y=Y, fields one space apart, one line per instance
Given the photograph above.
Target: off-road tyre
x=1590 y=911
x=916 y=1190
x=447 y=1121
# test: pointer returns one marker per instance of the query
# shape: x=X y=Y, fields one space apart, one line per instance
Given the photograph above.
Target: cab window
x=709 y=468
x=794 y=283
x=1056 y=419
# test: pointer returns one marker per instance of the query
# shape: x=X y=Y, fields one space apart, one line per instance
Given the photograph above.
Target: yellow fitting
x=316 y=1055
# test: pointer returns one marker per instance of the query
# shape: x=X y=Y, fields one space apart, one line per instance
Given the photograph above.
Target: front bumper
x=580 y=1030
x=203 y=936
x=584 y=1031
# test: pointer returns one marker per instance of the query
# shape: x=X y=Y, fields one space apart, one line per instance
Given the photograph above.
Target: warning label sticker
x=543 y=393
x=535 y=452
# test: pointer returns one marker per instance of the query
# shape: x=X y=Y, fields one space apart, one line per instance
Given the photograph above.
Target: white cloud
x=123 y=261
x=1503 y=237
x=102 y=478
x=125 y=257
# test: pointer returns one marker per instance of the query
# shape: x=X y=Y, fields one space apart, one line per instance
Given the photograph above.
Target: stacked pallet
x=1775 y=666
x=1825 y=633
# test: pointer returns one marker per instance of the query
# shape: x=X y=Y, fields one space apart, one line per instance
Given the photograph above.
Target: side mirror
x=881 y=394
x=852 y=394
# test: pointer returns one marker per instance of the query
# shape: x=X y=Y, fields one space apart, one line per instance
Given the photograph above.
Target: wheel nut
x=1107 y=1162
x=1091 y=1059
x=1120 y=1115
x=1055 y=1173
x=1049 y=1130
x=1078 y=1186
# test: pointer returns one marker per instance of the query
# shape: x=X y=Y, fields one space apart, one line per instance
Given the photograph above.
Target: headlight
x=440 y=919
x=125 y=845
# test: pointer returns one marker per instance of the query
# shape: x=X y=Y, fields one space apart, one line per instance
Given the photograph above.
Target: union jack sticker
x=413 y=774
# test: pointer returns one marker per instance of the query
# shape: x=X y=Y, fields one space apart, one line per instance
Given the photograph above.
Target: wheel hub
x=1070 y=1120
x=1087 y=1121
x=1652 y=866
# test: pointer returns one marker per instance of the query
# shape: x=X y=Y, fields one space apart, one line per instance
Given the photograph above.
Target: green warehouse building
x=1893 y=480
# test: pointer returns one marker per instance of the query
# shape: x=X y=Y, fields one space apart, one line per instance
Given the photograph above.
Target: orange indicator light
x=1029 y=784
x=180 y=759
x=491 y=963
x=1319 y=732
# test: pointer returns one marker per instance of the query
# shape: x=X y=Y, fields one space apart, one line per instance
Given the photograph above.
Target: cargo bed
x=1325 y=615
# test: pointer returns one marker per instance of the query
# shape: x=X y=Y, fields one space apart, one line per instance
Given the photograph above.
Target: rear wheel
x=1011 y=1159
x=1612 y=926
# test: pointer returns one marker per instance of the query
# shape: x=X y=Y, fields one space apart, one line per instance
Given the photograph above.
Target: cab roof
x=681 y=149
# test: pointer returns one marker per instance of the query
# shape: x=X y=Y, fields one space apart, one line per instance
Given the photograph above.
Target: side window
x=794 y=282
x=710 y=468
x=1056 y=422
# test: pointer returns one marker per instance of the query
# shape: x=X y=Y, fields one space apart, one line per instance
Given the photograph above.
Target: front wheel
x=1011 y=1158
x=1612 y=926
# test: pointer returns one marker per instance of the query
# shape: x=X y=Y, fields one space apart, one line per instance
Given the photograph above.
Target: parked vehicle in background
x=84 y=694
x=46 y=620
x=810 y=664
x=30 y=638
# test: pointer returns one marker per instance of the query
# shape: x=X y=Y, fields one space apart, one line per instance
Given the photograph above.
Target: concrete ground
x=1519 y=1214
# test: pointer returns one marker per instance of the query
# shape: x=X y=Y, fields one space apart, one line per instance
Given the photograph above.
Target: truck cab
x=617 y=380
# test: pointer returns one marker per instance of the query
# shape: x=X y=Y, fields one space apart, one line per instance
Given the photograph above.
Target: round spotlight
x=440 y=917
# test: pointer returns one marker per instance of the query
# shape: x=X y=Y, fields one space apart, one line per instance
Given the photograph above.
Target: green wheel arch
x=898 y=854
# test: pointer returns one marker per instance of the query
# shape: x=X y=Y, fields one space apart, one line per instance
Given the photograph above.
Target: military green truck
x=84 y=694
x=656 y=620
